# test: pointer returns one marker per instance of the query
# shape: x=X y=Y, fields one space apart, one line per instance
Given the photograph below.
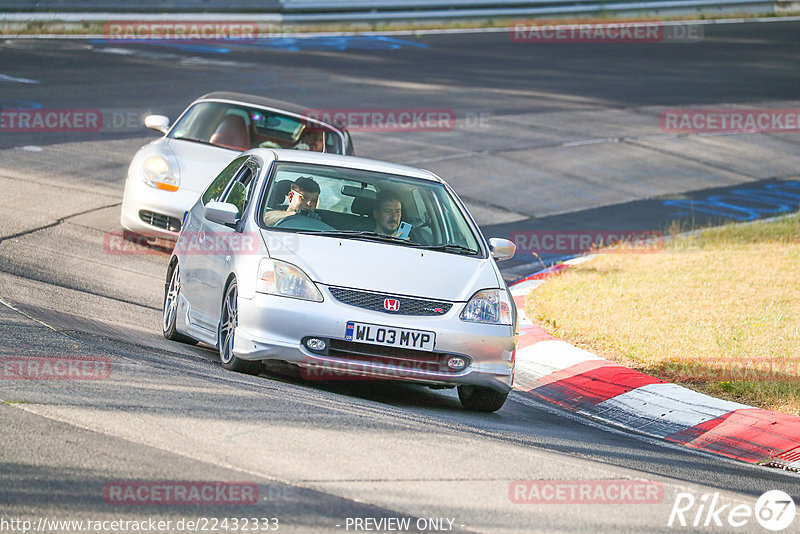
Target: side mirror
x=159 y=123
x=502 y=249
x=221 y=213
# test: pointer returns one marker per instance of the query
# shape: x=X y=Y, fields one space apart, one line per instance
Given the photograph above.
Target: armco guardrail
x=140 y=6
x=383 y=5
x=374 y=10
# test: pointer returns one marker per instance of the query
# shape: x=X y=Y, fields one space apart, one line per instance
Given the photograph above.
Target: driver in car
x=303 y=196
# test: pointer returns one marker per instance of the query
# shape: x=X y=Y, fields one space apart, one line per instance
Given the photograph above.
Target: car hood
x=383 y=267
x=198 y=163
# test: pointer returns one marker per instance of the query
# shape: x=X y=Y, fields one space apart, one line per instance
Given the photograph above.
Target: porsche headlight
x=284 y=279
x=157 y=173
x=491 y=306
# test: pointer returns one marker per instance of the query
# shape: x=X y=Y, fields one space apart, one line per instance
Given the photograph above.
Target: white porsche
x=167 y=176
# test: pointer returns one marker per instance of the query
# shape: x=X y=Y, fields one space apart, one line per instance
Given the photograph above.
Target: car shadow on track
x=394 y=393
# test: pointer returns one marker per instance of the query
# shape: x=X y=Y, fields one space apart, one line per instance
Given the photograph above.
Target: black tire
x=481 y=399
x=228 y=321
x=172 y=291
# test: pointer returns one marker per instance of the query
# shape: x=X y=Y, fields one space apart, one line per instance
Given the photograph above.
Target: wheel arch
x=173 y=262
x=231 y=278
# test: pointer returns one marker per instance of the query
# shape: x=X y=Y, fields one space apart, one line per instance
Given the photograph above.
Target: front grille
x=375 y=302
x=159 y=220
x=410 y=359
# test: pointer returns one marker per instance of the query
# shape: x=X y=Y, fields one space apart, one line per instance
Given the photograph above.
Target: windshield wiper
x=361 y=234
x=366 y=234
x=452 y=247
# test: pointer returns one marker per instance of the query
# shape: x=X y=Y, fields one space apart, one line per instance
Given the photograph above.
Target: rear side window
x=218 y=185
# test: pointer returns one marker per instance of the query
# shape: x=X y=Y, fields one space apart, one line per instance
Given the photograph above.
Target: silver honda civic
x=349 y=268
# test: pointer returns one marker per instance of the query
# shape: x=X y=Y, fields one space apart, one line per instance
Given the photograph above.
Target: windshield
x=355 y=204
x=242 y=128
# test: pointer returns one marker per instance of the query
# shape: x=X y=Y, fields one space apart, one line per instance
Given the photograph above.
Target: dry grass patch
x=718 y=311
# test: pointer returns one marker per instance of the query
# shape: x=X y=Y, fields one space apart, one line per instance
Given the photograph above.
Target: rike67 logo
x=774 y=510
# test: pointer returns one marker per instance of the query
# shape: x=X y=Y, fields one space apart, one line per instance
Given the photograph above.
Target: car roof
x=265 y=102
x=336 y=160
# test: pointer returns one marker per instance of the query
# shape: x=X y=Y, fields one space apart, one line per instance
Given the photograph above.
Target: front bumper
x=139 y=196
x=273 y=328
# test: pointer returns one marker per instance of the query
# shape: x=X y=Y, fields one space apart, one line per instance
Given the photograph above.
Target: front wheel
x=481 y=399
x=229 y=320
x=172 y=295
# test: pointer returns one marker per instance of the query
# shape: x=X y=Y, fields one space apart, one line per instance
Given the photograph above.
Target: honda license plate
x=389 y=336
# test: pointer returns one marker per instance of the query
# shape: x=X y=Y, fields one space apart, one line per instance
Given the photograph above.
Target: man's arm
x=271 y=218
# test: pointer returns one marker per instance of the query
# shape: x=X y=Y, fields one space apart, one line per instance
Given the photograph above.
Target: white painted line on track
x=30 y=317
x=180 y=59
x=591 y=141
x=14 y=79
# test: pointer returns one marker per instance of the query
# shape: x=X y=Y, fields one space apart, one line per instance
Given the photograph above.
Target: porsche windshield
x=358 y=204
x=242 y=128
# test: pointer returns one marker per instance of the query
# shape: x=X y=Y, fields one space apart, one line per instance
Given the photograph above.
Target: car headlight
x=157 y=173
x=280 y=278
x=491 y=306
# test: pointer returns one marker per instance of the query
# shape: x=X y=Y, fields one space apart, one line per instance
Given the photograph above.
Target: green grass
x=717 y=311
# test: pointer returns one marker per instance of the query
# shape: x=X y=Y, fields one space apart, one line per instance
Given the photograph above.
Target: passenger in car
x=311 y=140
x=303 y=195
x=388 y=214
